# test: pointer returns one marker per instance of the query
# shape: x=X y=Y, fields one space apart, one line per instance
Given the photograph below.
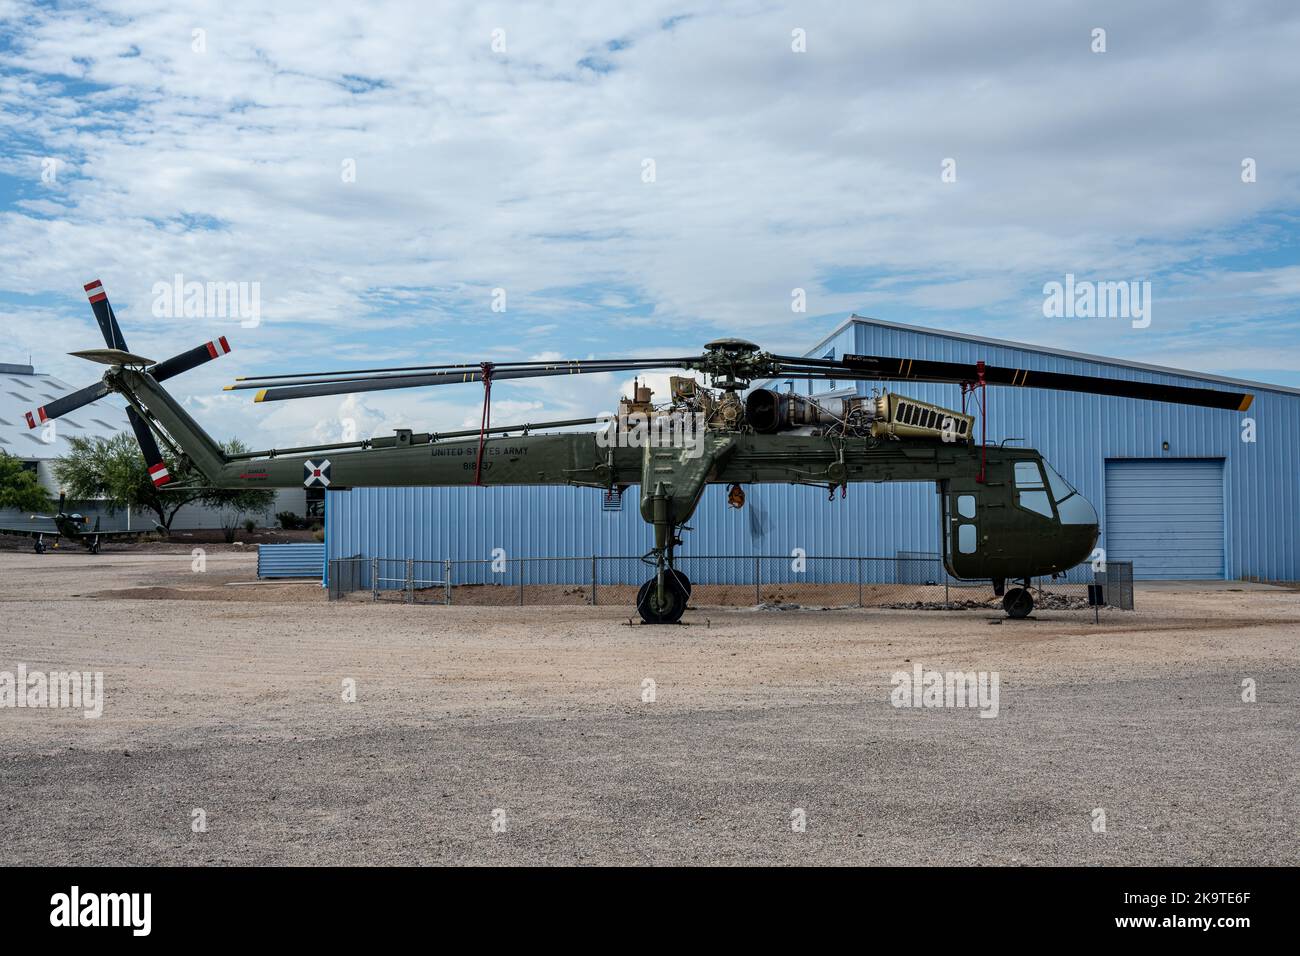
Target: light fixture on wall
x=1164 y=446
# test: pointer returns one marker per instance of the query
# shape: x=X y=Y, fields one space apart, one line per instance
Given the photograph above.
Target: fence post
x=860 y=603
x=374 y=579
x=593 y=580
x=944 y=571
x=523 y=563
x=410 y=581
x=758 y=591
x=446 y=581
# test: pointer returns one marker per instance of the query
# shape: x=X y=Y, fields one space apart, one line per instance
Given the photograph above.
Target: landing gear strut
x=1018 y=602
x=662 y=599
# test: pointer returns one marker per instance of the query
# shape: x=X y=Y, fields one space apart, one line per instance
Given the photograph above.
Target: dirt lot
x=225 y=697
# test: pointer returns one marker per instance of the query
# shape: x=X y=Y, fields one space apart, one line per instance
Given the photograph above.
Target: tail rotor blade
x=191 y=359
x=68 y=403
x=149 y=447
x=104 y=315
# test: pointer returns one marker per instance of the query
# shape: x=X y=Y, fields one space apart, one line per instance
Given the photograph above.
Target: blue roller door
x=1166 y=516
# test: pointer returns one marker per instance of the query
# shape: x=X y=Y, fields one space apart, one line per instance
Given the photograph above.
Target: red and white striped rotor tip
x=159 y=474
x=95 y=291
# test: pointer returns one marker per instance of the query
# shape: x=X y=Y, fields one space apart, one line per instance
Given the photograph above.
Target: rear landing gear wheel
x=1018 y=603
x=40 y=546
x=673 y=604
x=94 y=547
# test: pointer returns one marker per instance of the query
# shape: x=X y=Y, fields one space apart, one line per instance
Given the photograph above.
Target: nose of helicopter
x=1081 y=534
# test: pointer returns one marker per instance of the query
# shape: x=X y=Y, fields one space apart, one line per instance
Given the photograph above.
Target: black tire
x=675 y=595
x=94 y=547
x=1018 y=603
x=686 y=582
x=40 y=547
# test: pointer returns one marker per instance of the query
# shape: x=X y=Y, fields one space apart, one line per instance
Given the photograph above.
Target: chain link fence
x=908 y=580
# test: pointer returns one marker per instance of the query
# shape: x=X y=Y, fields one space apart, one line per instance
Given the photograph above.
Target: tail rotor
x=116 y=355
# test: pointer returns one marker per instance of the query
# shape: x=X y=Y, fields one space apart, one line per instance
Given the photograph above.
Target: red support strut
x=485 y=421
x=969 y=388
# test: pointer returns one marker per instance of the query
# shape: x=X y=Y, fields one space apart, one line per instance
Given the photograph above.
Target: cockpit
x=1038 y=490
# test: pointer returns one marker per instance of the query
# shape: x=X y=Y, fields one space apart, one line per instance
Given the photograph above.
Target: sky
x=416 y=183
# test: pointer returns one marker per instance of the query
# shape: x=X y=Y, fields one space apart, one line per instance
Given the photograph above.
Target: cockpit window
x=1061 y=489
x=1072 y=507
x=1027 y=475
x=1030 y=493
x=1036 y=501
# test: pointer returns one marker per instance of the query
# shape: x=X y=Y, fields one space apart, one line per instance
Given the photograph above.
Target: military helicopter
x=73 y=527
x=1007 y=514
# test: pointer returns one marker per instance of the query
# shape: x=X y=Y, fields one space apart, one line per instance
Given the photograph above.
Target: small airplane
x=73 y=527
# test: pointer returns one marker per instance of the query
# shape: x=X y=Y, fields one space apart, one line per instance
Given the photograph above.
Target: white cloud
x=523 y=171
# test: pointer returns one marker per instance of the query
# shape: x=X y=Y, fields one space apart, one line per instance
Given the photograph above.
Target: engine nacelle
x=769 y=411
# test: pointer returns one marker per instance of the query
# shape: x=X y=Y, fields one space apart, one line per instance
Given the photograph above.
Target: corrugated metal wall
x=1076 y=433
x=298 y=560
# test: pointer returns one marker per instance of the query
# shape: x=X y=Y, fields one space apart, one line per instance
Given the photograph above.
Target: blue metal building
x=1182 y=492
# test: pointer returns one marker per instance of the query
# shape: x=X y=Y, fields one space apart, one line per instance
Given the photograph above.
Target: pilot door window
x=1031 y=490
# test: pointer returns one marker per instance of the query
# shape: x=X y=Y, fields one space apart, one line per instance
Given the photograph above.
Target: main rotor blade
x=149 y=448
x=345 y=373
x=317 y=389
x=68 y=403
x=190 y=359
x=874 y=367
x=597 y=365
x=104 y=315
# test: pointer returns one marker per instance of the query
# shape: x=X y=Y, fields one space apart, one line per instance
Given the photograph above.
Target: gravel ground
x=226 y=697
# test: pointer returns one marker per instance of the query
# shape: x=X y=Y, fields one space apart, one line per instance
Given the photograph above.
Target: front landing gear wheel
x=1018 y=602
x=40 y=546
x=686 y=582
x=673 y=605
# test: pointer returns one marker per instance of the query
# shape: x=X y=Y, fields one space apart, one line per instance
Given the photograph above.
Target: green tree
x=113 y=469
x=19 y=487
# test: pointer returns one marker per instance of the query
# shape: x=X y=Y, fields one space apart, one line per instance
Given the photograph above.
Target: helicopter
x=73 y=527
x=1007 y=515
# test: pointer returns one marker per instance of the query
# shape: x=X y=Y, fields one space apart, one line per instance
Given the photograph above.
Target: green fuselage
x=1008 y=540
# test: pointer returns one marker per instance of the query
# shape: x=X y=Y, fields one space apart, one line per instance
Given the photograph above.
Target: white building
x=22 y=389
